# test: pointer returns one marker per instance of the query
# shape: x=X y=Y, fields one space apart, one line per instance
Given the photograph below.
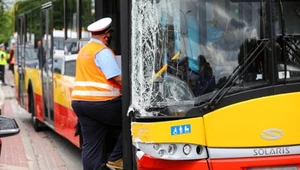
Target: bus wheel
x=35 y=122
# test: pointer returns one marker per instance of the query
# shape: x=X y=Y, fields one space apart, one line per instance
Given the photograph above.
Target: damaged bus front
x=215 y=84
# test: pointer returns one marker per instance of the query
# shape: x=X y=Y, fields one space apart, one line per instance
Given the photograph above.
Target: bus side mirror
x=8 y=127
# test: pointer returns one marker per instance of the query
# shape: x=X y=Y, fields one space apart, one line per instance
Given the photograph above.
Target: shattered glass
x=183 y=50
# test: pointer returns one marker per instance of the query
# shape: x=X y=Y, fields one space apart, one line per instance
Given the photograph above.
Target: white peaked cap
x=100 y=25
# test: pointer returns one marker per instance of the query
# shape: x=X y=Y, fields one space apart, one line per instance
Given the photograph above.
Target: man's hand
x=118 y=79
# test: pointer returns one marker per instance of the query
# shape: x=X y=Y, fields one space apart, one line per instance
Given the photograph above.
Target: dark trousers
x=11 y=67
x=2 y=73
x=96 y=118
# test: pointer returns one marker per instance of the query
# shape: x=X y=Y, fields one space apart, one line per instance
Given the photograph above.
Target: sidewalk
x=27 y=150
x=13 y=155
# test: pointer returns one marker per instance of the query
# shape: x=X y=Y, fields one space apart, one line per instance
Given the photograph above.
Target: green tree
x=7 y=20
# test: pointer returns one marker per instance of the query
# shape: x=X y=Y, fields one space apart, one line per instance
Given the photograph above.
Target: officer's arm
x=106 y=62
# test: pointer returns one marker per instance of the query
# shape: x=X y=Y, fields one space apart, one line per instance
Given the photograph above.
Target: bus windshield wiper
x=239 y=70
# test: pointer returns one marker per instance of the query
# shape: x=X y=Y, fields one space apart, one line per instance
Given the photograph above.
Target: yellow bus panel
x=62 y=87
x=266 y=121
x=35 y=76
x=164 y=132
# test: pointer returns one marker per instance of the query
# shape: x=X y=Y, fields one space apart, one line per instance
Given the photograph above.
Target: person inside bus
x=41 y=54
x=206 y=80
x=97 y=96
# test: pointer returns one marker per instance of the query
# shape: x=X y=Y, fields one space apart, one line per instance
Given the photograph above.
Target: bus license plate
x=276 y=168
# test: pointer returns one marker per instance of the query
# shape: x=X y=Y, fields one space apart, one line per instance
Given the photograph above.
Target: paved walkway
x=28 y=150
x=13 y=152
x=13 y=155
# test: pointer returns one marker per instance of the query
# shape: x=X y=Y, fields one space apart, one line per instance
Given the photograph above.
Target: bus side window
x=26 y=55
x=70 y=68
x=57 y=65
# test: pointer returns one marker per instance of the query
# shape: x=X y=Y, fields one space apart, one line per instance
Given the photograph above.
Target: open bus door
x=46 y=70
x=21 y=59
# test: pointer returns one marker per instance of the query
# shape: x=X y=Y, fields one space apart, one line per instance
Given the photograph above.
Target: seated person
x=206 y=80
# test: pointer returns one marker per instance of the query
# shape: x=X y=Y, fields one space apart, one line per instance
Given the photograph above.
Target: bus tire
x=35 y=122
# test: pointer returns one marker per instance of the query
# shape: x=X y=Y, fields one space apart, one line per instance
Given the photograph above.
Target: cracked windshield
x=185 y=52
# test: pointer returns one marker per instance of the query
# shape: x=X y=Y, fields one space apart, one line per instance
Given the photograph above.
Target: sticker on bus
x=181 y=129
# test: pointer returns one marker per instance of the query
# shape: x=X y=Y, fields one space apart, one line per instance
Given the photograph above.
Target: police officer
x=96 y=96
x=3 y=63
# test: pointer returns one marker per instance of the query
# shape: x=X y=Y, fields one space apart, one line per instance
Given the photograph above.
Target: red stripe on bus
x=64 y=123
x=39 y=107
x=64 y=119
x=150 y=163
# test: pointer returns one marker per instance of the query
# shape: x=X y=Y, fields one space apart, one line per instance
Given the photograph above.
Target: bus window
x=288 y=41
x=71 y=47
x=30 y=53
x=57 y=65
x=70 y=67
x=201 y=43
x=58 y=43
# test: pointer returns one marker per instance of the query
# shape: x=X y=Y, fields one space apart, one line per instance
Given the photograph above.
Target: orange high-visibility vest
x=90 y=82
x=12 y=61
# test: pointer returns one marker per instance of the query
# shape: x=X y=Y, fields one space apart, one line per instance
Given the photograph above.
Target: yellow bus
x=44 y=74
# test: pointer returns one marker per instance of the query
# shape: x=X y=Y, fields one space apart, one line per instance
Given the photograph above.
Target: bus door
x=20 y=53
x=46 y=70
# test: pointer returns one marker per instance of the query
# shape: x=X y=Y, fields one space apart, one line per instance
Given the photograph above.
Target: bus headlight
x=187 y=149
x=173 y=151
x=161 y=153
x=156 y=147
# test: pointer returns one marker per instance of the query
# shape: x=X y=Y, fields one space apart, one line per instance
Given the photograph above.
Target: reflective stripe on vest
x=95 y=93
x=95 y=84
x=112 y=91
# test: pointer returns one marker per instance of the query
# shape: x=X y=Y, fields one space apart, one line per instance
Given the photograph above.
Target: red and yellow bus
x=214 y=84
x=45 y=74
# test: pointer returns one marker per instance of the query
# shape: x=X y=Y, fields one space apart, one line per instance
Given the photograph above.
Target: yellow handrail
x=164 y=68
x=176 y=55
